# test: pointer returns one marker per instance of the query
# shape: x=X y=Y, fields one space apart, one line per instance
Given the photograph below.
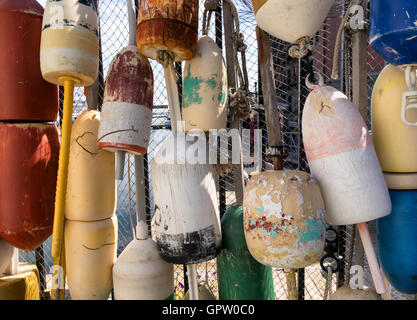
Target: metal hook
x=312 y=86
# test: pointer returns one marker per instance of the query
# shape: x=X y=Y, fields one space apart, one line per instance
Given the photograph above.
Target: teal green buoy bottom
x=240 y=276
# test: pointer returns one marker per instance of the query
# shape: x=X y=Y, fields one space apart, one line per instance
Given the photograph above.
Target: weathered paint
x=240 y=276
x=342 y=158
x=140 y=274
x=290 y=20
x=393 y=26
x=186 y=221
x=283 y=219
x=21 y=79
x=395 y=142
x=397 y=242
x=24 y=285
x=170 y=25
x=6 y=254
x=90 y=253
x=126 y=116
x=347 y=293
x=91 y=186
x=69 y=43
x=28 y=169
x=205 y=88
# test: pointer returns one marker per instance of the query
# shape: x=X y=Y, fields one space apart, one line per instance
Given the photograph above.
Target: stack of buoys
x=394 y=120
x=30 y=145
x=291 y=20
x=69 y=57
x=91 y=225
x=240 y=276
x=139 y=273
x=342 y=158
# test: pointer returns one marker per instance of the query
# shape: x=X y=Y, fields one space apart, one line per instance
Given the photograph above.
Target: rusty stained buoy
x=24 y=94
x=91 y=187
x=126 y=117
x=69 y=42
x=283 y=219
x=28 y=170
x=168 y=26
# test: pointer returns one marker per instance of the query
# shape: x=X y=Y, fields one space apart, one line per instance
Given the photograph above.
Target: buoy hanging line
x=301 y=48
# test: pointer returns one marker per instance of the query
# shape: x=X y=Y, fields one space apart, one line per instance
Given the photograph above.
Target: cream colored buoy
x=69 y=42
x=283 y=219
x=395 y=142
x=187 y=221
x=342 y=158
x=90 y=252
x=347 y=293
x=401 y=181
x=128 y=102
x=291 y=20
x=6 y=254
x=140 y=274
x=205 y=88
x=91 y=187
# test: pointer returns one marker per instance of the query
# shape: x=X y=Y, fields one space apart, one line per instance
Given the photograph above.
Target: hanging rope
x=301 y=48
x=241 y=101
x=209 y=7
x=342 y=27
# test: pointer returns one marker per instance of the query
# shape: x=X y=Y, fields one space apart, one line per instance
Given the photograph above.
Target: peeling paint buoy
x=283 y=219
x=91 y=187
x=347 y=293
x=240 y=276
x=28 y=171
x=186 y=220
x=205 y=88
x=90 y=252
x=128 y=101
x=291 y=20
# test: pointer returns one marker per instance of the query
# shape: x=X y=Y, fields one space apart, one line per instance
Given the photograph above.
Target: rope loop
x=165 y=58
x=301 y=48
x=209 y=7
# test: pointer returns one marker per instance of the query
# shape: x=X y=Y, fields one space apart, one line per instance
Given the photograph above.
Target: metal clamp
x=312 y=86
x=330 y=259
x=410 y=97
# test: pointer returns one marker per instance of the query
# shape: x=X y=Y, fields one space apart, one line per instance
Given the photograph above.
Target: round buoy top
x=347 y=293
x=232 y=228
x=21 y=6
x=332 y=124
x=130 y=79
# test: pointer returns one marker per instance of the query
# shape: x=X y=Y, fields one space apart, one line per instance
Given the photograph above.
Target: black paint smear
x=193 y=248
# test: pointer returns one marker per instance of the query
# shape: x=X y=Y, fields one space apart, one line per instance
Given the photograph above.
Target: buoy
x=128 y=102
x=90 y=252
x=69 y=42
x=6 y=254
x=140 y=274
x=397 y=242
x=205 y=94
x=291 y=20
x=28 y=167
x=91 y=190
x=204 y=293
x=21 y=78
x=393 y=30
x=342 y=158
x=240 y=276
x=347 y=293
x=401 y=181
x=25 y=285
x=168 y=26
x=395 y=142
x=69 y=57
x=186 y=220
x=283 y=219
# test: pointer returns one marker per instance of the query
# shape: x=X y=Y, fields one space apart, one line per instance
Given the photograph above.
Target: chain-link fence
x=291 y=93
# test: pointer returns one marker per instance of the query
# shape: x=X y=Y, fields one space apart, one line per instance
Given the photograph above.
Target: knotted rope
x=301 y=48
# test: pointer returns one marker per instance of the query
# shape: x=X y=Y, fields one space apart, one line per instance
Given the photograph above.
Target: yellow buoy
x=90 y=251
x=395 y=142
x=91 y=189
x=22 y=286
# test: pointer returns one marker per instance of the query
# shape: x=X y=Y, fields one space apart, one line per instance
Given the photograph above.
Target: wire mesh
x=291 y=94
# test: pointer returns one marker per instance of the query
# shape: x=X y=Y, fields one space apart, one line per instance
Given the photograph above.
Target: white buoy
x=205 y=88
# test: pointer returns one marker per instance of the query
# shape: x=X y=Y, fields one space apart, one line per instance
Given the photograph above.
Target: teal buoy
x=240 y=276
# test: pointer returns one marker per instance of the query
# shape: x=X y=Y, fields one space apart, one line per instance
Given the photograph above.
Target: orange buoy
x=21 y=79
x=28 y=171
x=168 y=26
